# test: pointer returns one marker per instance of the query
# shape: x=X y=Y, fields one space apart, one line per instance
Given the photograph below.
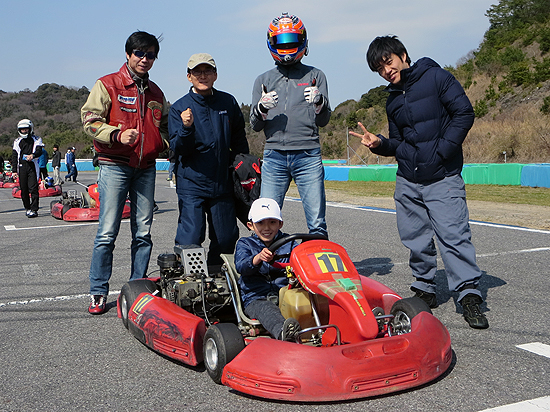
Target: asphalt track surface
x=57 y=357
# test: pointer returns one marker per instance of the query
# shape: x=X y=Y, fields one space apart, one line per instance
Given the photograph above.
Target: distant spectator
x=172 y=160
x=43 y=164
x=56 y=164
x=70 y=161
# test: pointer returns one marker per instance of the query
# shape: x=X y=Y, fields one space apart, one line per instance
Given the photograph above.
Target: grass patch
x=490 y=193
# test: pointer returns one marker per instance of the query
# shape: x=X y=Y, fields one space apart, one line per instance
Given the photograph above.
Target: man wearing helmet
x=27 y=149
x=290 y=103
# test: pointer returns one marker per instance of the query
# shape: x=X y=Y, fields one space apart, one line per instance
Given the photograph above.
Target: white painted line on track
x=511 y=252
x=12 y=227
x=54 y=299
x=499 y=225
x=536 y=347
x=392 y=211
x=533 y=405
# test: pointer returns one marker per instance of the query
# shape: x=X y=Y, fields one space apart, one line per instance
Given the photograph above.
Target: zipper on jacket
x=141 y=106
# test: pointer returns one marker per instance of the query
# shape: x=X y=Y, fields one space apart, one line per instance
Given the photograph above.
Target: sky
x=73 y=43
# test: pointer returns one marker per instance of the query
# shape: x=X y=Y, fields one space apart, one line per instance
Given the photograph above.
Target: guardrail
x=533 y=175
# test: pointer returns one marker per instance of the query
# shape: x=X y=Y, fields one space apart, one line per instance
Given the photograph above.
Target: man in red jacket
x=127 y=115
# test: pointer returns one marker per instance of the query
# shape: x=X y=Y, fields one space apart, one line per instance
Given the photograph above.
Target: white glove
x=268 y=101
x=313 y=95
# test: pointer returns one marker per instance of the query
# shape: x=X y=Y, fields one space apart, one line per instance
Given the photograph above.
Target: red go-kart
x=8 y=179
x=358 y=338
x=81 y=207
x=43 y=190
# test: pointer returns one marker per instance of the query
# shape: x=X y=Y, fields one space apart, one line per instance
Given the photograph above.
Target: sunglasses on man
x=141 y=54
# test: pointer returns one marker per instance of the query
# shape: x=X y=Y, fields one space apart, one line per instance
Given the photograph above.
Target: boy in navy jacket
x=260 y=282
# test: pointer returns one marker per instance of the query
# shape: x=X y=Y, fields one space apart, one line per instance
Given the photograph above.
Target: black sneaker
x=472 y=312
x=429 y=298
x=291 y=330
x=32 y=213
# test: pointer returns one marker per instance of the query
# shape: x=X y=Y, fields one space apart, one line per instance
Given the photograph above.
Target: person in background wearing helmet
x=206 y=128
x=127 y=115
x=70 y=161
x=290 y=103
x=27 y=149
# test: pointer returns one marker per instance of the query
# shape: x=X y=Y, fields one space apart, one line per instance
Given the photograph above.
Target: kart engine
x=185 y=281
x=71 y=198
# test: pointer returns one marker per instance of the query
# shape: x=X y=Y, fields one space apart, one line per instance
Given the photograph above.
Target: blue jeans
x=279 y=167
x=115 y=183
x=72 y=172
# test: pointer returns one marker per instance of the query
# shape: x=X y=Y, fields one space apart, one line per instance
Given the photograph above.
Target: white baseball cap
x=264 y=208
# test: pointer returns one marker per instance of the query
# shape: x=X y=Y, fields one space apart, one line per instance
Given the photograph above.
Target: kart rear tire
x=404 y=311
x=52 y=203
x=222 y=342
x=129 y=293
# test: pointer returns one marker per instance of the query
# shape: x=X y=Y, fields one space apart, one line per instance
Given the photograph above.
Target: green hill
x=507 y=79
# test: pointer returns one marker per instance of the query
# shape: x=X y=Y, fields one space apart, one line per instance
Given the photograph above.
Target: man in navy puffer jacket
x=429 y=116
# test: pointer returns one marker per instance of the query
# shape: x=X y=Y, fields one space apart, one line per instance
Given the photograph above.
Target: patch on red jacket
x=156 y=111
x=94 y=127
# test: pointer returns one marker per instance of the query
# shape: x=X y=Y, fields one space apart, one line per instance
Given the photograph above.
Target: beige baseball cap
x=200 y=58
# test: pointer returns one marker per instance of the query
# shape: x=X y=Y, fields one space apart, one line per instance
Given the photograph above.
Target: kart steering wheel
x=297 y=236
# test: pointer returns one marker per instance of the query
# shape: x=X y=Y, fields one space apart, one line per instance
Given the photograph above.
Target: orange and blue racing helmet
x=287 y=39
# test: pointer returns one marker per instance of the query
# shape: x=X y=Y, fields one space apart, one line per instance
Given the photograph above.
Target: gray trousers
x=56 y=176
x=438 y=209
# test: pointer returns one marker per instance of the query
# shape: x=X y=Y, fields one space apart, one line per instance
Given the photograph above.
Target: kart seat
x=233 y=277
x=93 y=192
x=87 y=200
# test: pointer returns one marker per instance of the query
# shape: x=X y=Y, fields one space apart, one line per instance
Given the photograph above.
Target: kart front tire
x=404 y=311
x=129 y=293
x=65 y=210
x=222 y=342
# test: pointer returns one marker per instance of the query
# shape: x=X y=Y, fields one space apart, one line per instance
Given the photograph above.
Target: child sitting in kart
x=260 y=281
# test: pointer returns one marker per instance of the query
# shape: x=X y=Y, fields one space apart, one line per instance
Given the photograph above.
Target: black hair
x=382 y=48
x=141 y=40
x=56 y=146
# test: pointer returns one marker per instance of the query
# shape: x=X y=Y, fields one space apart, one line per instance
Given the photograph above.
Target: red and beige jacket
x=115 y=105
